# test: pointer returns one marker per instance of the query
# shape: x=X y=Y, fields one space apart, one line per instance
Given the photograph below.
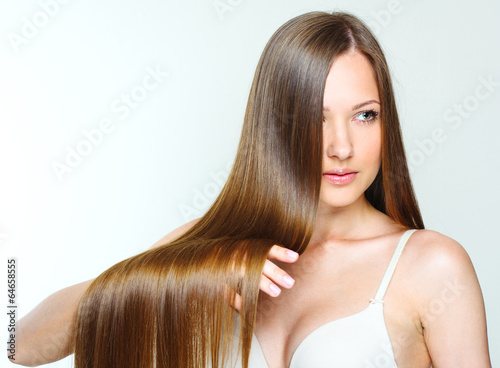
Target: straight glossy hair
x=171 y=306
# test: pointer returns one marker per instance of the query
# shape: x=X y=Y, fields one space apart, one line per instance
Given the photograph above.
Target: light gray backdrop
x=120 y=120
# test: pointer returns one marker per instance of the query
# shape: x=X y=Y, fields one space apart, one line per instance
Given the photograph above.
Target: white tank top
x=356 y=341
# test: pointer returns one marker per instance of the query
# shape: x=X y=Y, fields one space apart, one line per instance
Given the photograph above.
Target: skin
x=433 y=307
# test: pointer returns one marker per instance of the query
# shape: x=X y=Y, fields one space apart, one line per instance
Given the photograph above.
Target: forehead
x=351 y=80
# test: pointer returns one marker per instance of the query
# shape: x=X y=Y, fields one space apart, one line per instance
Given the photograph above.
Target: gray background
x=65 y=68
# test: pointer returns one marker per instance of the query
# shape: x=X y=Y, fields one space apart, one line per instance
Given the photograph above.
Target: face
x=351 y=131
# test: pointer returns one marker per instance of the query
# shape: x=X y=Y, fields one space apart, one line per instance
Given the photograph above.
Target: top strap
x=379 y=297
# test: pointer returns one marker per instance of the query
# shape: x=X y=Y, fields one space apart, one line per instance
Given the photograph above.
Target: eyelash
x=374 y=116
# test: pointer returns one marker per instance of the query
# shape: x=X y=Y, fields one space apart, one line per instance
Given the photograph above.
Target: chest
x=331 y=299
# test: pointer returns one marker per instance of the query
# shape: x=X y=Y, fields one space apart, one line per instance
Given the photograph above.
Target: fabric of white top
x=356 y=341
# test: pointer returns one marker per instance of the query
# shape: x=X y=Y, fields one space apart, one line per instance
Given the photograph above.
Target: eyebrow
x=358 y=106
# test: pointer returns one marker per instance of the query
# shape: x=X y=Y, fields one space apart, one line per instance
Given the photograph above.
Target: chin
x=331 y=203
x=339 y=199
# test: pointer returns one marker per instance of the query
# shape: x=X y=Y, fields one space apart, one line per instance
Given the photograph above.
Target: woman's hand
x=272 y=275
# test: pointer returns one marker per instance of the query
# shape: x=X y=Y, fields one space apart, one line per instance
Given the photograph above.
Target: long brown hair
x=170 y=306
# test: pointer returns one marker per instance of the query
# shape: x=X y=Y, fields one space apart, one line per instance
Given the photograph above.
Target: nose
x=337 y=140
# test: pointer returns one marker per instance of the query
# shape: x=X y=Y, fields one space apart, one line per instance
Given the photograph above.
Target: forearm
x=46 y=334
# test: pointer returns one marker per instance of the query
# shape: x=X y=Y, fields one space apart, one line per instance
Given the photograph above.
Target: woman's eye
x=367 y=116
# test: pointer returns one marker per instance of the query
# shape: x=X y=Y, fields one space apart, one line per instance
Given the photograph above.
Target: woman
x=320 y=170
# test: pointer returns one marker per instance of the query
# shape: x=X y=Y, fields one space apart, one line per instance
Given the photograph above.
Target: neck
x=355 y=221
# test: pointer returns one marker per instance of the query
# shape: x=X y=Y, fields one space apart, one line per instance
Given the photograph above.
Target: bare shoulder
x=446 y=300
x=435 y=253
x=175 y=233
x=435 y=262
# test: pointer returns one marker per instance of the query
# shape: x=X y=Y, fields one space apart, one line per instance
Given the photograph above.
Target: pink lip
x=340 y=171
x=340 y=179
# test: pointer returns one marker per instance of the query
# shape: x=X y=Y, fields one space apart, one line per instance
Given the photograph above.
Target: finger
x=277 y=276
x=237 y=300
x=269 y=287
x=282 y=254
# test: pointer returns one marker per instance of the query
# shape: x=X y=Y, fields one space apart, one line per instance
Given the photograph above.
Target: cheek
x=370 y=148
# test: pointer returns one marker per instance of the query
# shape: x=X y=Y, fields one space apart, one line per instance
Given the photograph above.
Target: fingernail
x=288 y=280
x=291 y=254
x=274 y=289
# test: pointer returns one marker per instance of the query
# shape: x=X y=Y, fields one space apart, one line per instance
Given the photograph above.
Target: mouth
x=340 y=178
x=340 y=171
